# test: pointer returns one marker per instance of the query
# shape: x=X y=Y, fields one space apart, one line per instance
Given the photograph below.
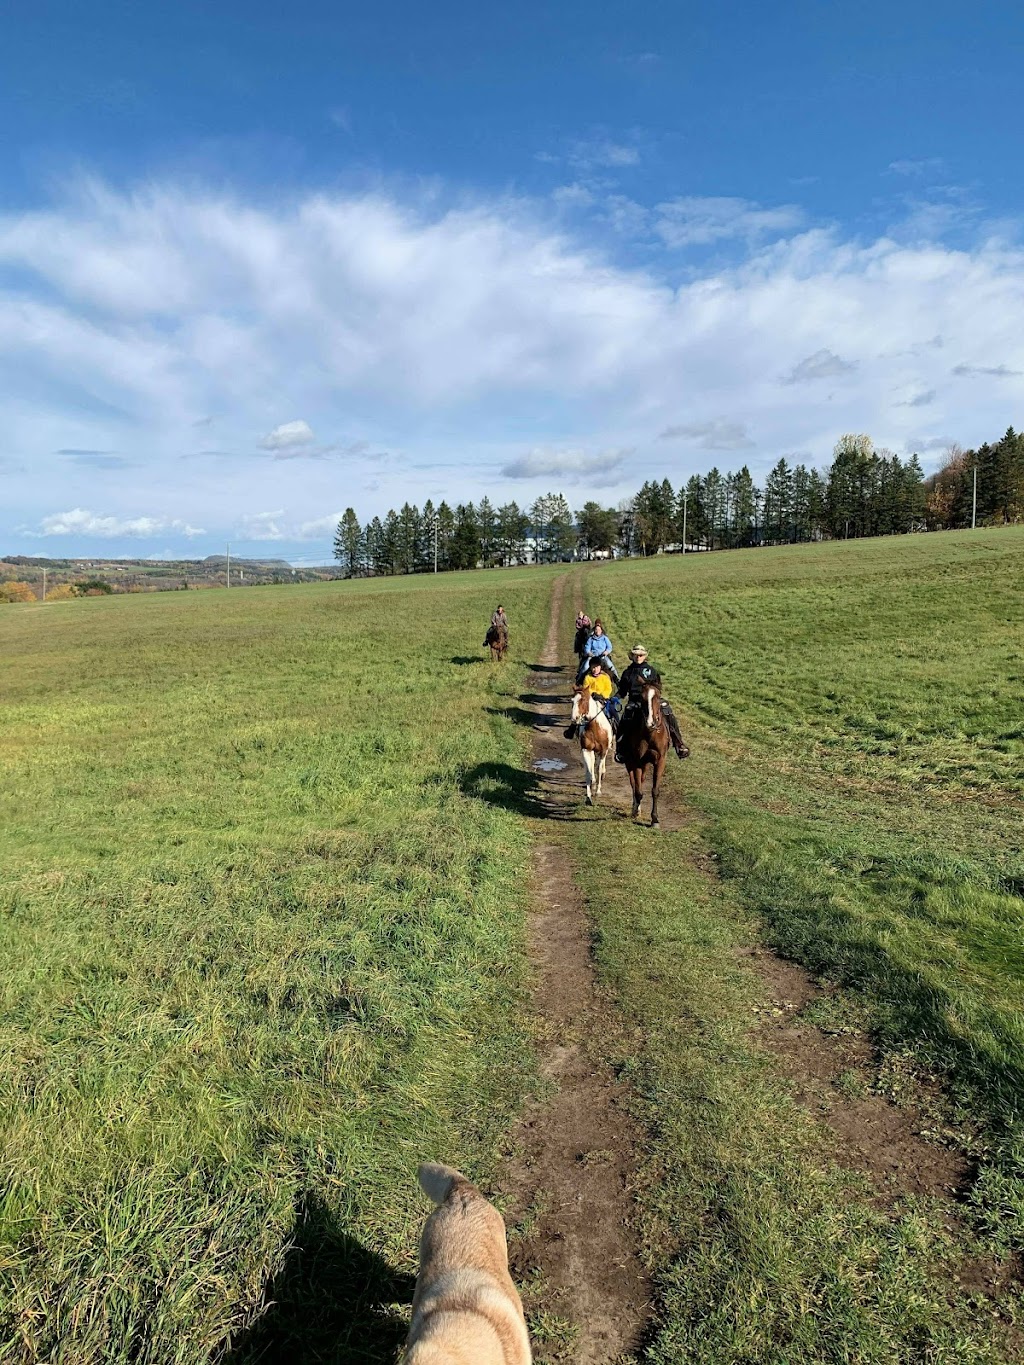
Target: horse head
x=652 y=709
x=579 y=707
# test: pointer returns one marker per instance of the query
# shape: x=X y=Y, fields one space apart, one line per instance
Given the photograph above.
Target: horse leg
x=588 y=764
x=600 y=770
x=636 y=778
x=655 y=784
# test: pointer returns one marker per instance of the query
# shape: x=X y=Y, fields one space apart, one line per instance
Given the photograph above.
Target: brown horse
x=595 y=738
x=497 y=638
x=644 y=743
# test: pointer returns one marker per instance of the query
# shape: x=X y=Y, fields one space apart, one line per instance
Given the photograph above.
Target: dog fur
x=466 y=1310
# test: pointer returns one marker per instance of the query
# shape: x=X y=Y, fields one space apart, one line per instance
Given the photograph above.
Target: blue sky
x=261 y=262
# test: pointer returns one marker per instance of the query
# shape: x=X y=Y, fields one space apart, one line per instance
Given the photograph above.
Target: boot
x=681 y=750
x=569 y=732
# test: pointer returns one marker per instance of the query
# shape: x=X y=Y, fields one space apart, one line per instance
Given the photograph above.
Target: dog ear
x=437 y=1180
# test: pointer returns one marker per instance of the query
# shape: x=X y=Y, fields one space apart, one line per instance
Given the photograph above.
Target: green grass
x=854 y=712
x=261 y=956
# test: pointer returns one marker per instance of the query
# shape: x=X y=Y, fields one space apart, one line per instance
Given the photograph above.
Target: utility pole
x=229 y=566
x=435 y=541
x=974 y=502
x=685 y=497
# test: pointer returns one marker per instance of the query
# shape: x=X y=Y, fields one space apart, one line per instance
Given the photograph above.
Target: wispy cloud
x=602 y=153
x=720 y=435
x=823 y=364
x=693 y=221
x=920 y=400
x=94 y=459
x=992 y=371
x=928 y=165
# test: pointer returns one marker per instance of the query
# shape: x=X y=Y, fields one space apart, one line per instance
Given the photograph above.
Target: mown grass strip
x=857 y=759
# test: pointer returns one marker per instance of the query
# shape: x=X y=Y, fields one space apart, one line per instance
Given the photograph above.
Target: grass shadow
x=545 y=668
x=332 y=1303
x=520 y=716
x=499 y=784
x=463 y=659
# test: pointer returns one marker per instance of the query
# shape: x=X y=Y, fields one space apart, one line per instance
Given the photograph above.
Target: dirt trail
x=573 y=1155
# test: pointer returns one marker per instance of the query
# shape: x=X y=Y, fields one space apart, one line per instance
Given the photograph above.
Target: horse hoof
x=655 y=824
x=589 y=802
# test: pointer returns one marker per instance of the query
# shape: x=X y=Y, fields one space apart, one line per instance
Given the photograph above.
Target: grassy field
x=858 y=770
x=264 y=948
x=261 y=956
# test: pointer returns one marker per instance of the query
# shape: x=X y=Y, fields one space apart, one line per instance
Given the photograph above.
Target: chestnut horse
x=497 y=638
x=595 y=737
x=644 y=743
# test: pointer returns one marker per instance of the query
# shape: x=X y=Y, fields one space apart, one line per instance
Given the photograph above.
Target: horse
x=497 y=638
x=595 y=737
x=644 y=743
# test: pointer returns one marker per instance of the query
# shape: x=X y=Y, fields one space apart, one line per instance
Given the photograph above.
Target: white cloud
x=570 y=466
x=127 y=318
x=824 y=364
x=288 y=436
x=261 y=526
x=81 y=522
x=319 y=527
x=720 y=435
x=693 y=221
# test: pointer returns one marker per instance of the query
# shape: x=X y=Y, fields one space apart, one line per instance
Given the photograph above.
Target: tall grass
x=260 y=957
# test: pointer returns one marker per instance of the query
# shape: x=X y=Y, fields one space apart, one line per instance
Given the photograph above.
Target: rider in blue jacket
x=597 y=647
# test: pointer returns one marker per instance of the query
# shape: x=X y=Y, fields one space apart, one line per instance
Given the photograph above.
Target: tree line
x=863 y=492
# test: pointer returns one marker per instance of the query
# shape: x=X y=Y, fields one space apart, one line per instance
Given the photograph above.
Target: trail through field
x=574 y=1153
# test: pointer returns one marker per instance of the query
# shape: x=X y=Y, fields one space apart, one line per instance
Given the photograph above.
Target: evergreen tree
x=487 y=522
x=465 y=547
x=407 y=539
x=513 y=529
x=349 y=543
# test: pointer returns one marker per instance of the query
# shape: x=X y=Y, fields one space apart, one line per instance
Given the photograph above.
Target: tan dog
x=466 y=1310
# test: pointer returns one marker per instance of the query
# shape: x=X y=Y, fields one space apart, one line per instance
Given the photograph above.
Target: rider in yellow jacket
x=598 y=683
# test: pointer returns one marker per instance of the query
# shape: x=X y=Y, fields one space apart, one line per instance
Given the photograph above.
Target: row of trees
x=986 y=485
x=413 y=540
x=864 y=492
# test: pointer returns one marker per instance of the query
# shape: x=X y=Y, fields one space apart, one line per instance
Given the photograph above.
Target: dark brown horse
x=497 y=638
x=644 y=743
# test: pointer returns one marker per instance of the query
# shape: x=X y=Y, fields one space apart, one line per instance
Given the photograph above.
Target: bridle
x=592 y=714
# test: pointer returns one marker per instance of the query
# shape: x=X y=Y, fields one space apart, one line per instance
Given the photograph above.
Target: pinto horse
x=497 y=638
x=644 y=743
x=595 y=737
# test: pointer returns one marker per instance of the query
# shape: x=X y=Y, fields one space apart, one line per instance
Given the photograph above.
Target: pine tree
x=349 y=543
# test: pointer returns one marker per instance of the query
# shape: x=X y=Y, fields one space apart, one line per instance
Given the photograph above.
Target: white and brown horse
x=595 y=737
x=644 y=743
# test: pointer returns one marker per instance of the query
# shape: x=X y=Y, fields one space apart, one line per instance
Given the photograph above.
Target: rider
x=596 y=684
x=597 y=647
x=582 y=633
x=499 y=621
x=634 y=678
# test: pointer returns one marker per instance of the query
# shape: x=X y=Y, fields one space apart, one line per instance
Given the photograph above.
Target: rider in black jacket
x=631 y=684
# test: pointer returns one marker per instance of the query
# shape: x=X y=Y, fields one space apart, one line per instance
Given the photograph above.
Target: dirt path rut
x=573 y=1160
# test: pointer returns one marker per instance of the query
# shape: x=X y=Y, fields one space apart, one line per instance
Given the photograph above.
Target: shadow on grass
x=545 y=668
x=463 y=659
x=333 y=1302
x=520 y=716
x=499 y=784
